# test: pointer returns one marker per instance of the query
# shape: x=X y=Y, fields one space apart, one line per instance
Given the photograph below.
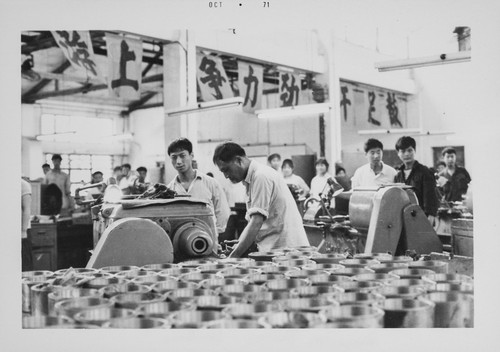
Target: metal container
x=31 y=278
x=446 y=287
x=397 y=259
x=293 y=262
x=453 y=309
x=292 y=320
x=150 y=280
x=328 y=258
x=308 y=305
x=214 y=268
x=260 y=279
x=63 y=293
x=251 y=310
x=291 y=255
x=362 y=298
x=240 y=291
x=41 y=321
x=100 y=316
x=387 y=267
x=328 y=267
x=163 y=309
x=114 y=269
x=435 y=265
x=215 y=302
x=236 y=273
x=133 y=274
x=193 y=264
x=410 y=282
x=352 y=316
x=283 y=250
x=358 y=263
x=40 y=299
x=259 y=265
x=37 y=275
x=327 y=279
x=197 y=277
x=268 y=296
x=71 y=306
x=359 y=286
x=409 y=292
x=275 y=269
x=172 y=285
x=265 y=256
x=133 y=300
x=74 y=326
x=116 y=289
x=377 y=256
x=352 y=271
x=408 y=313
x=384 y=278
x=313 y=291
x=237 y=324
x=80 y=271
x=159 y=267
x=285 y=284
x=448 y=278
x=137 y=323
x=176 y=272
x=304 y=273
x=188 y=294
x=411 y=273
x=101 y=282
x=239 y=262
x=219 y=281
x=195 y=319
x=305 y=248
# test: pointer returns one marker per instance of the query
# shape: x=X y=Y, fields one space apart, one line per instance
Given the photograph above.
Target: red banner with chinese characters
x=250 y=81
x=289 y=89
x=124 y=66
x=364 y=107
x=212 y=79
x=77 y=47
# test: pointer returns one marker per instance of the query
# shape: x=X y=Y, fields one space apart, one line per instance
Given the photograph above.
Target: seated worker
x=274 y=161
x=375 y=173
x=453 y=179
x=342 y=179
x=297 y=182
x=127 y=180
x=195 y=183
x=274 y=220
x=319 y=181
x=94 y=193
x=414 y=174
x=140 y=185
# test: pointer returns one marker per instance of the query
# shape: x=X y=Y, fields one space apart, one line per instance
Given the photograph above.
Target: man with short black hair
x=127 y=181
x=455 y=179
x=45 y=168
x=414 y=174
x=140 y=185
x=273 y=218
x=190 y=181
x=375 y=173
x=62 y=181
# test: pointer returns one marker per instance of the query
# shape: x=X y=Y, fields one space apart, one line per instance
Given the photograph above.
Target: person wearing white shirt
x=127 y=181
x=319 y=181
x=301 y=187
x=375 y=173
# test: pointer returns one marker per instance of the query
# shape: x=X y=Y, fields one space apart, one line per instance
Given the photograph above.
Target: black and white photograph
x=267 y=174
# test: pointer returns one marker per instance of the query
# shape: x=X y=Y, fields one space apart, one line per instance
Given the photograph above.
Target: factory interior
x=227 y=178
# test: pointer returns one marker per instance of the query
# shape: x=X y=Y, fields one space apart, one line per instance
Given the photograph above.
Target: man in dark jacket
x=414 y=174
x=455 y=178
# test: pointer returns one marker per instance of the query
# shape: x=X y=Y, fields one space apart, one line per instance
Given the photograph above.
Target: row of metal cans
x=247 y=293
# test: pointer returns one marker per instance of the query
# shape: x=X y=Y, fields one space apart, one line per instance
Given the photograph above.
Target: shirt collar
x=197 y=175
x=251 y=170
x=415 y=165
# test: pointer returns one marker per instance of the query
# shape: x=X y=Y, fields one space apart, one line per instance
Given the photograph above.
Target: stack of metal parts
x=286 y=288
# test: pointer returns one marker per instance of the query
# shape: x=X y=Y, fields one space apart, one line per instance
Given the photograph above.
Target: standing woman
x=297 y=182
x=319 y=181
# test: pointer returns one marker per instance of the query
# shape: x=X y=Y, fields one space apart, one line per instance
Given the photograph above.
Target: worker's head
x=274 y=161
x=45 y=168
x=181 y=155
x=287 y=167
x=322 y=166
x=232 y=161
x=374 y=151
x=117 y=171
x=340 y=172
x=449 y=156
x=440 y=166
x=406 y=147
x=142 y=171
x=56 y=160
x=97 y=177
x=126 y=169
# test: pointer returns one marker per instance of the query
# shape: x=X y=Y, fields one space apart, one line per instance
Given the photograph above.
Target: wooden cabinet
x=44 y=242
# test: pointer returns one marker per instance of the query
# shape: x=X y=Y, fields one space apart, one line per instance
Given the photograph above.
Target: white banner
x=250 y=81
x=212 y=78
x=77 y=48
x=124 y=66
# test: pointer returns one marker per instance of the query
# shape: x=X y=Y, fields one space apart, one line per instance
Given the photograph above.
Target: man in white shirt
x=62 y=181
x=274 y=220
x=196 y=184
x=375 y=173
x=127 y=181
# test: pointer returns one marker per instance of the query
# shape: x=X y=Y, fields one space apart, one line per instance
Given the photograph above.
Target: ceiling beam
x=44 y=82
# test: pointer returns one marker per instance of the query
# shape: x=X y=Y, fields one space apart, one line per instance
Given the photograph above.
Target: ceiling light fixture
x=209 y=105
x=451 y=58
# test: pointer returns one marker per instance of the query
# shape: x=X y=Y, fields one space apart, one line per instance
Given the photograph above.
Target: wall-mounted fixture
x=442 y=59
x=209 y=105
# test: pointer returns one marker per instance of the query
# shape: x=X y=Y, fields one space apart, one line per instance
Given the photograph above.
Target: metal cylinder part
x=275 y=269
x=41 y=322
x=100 y=316
x=408 y=313
x=387 y=267
x=251 y=311
x=237 y=324
x=197 y=277
x=163 y=309
x=377 y=256
x=159 y=267
x=240 y=291
x=215 y=302
x=411 y=273
x=327 y=279
x=63 y=293
x=304 y=273
x=188 y=294
x=285 y=284
x=328 y=258
x=171 y=285
x=29 y=279
x=453 y=309
x=328 y=267
x=358 y=263
x=435 y=265
x=352 y=316
x=39 y=298
x=195 y=318
x=236 y=273
x=214 y=268
x=292 y=320
x=113 y=290
x=193 y=241
x=101 y=282
x=308 y=304
x=137 y=323
x=409 y=292
x=268 y=296
x=313 y=291
x=362 y=298
x=71 y=306
x=133 y=300
x=352 y=271
x=381 y=277
x=265 y=256
x=196 y=263
x=219 y=282
x=359 y=286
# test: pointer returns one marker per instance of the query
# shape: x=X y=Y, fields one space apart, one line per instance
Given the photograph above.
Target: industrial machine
x=381 y=219
x=149 y=229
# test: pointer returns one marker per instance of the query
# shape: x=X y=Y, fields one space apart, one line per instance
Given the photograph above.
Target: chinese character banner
x=367 y=107
x=289 y=89
x=250 y=81
x=124 y=66
x=77 y=47
x=212 y=79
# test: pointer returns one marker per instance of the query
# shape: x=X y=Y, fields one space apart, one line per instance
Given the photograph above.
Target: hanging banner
x=77 y=48
x=365 y=107
x=212 y=79
x=250 y=81
x=124 y=66
x=289 y=89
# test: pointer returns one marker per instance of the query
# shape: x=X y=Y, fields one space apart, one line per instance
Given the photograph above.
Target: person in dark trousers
x=414 y=174
x=456 y=179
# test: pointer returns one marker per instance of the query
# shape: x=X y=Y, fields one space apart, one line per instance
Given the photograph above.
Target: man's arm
x=248 y=235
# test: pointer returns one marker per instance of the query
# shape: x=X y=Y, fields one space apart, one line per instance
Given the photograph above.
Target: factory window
x=64 y=128
x=80 y=167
